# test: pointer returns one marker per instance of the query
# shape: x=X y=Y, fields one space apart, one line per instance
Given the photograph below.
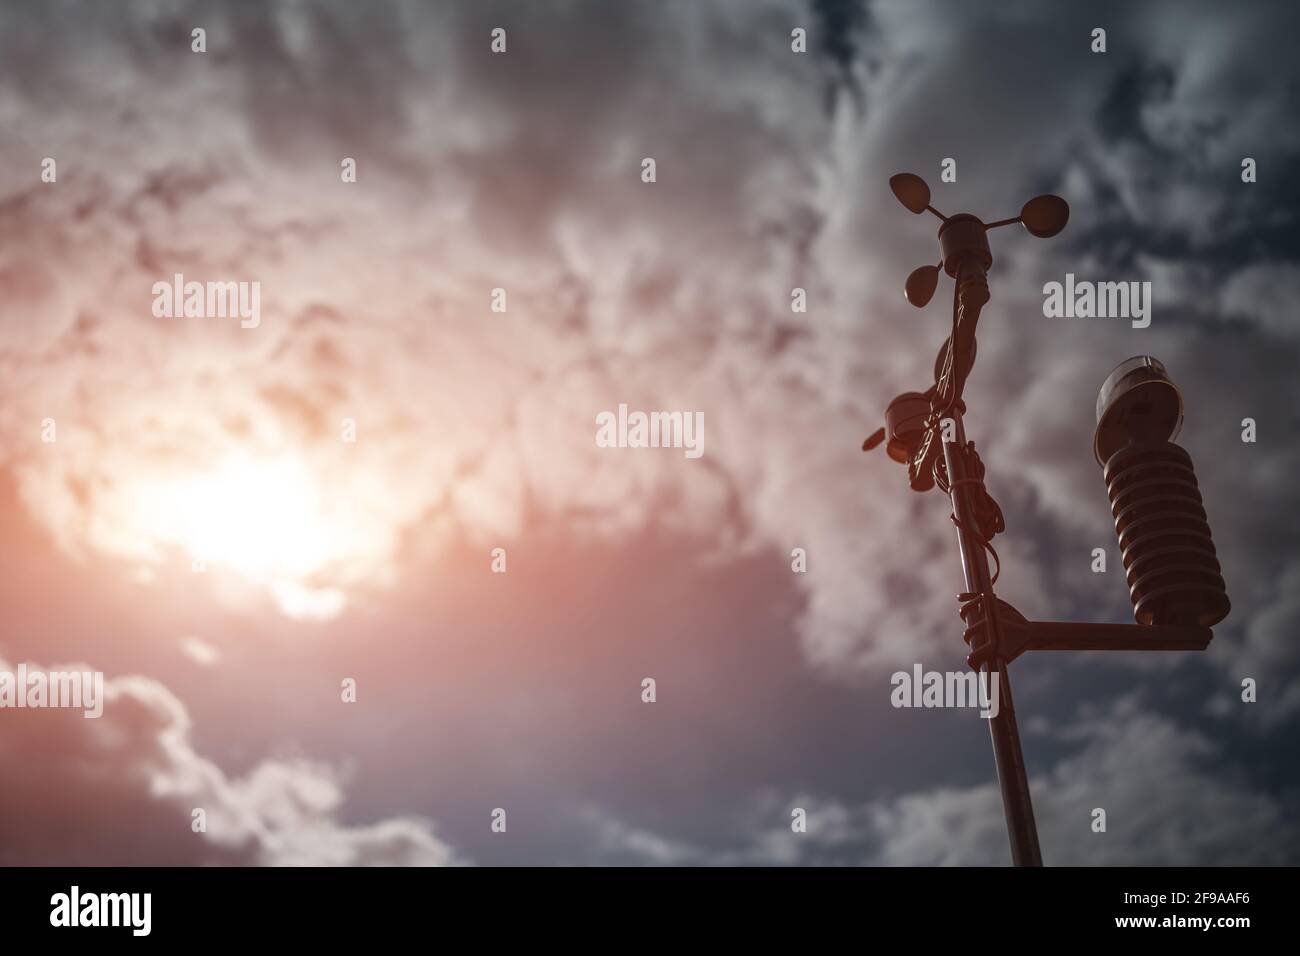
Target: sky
x=232 y=523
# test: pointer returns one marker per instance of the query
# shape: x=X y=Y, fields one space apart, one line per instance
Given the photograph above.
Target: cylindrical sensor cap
x=1138 y=403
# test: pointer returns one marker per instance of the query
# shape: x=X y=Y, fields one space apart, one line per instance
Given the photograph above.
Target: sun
x=263 y=518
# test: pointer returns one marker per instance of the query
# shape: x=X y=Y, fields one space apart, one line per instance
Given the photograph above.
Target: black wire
x=946 y=392
x=948 y=375
x=988 y=514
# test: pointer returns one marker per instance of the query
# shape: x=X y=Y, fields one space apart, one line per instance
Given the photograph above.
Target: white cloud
x=199 y=651
x=124 y=786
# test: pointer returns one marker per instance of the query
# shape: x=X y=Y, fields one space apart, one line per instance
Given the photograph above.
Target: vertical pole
x=1002 y=727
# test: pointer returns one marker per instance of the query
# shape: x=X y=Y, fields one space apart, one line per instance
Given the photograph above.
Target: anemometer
x=1170 y=564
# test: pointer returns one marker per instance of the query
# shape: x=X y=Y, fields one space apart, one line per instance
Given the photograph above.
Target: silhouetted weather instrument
x=1173 y=574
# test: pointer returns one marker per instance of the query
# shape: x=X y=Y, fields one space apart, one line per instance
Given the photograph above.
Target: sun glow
x=261 y=518
x=265 y=519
